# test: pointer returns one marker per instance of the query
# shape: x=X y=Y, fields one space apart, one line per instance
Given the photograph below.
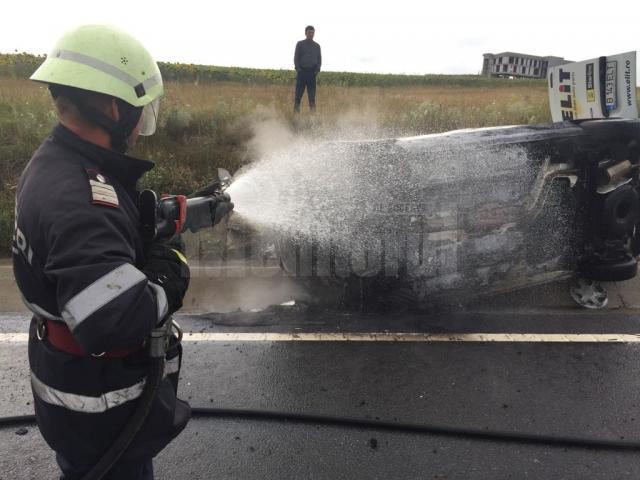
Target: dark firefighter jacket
x=77 y=257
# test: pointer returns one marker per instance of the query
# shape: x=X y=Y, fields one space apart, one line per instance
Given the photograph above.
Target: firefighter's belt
x=60 y=337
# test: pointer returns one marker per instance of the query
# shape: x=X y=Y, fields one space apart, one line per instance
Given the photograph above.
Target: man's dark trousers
x=306 y=79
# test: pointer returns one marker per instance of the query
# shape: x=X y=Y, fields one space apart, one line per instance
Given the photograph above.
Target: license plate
x=610 y=85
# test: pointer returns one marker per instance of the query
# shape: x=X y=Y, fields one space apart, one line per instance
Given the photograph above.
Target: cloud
x=367 y=59
x=472 y=41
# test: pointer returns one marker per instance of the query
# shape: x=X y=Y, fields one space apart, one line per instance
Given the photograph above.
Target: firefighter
x=95 y=290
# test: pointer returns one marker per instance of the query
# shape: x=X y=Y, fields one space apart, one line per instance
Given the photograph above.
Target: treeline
x=22 y=65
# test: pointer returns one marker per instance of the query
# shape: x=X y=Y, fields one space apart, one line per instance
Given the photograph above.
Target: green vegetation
x=24 y=121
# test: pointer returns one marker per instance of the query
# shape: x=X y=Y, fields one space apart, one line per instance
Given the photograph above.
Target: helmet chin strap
x=129 y=118
x=120 y=131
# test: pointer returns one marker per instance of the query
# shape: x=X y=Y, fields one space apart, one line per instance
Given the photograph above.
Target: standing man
x=95 y=289
x=307 y=60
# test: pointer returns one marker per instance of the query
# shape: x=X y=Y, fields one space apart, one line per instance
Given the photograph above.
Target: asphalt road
x=587 y=389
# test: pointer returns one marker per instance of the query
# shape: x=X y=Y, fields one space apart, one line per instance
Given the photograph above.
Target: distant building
x=509 y=64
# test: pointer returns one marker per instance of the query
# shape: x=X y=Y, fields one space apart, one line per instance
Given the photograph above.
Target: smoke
x=270 y=132
x=220 y=289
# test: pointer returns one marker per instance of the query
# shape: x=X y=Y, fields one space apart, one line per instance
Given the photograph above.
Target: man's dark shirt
x=307 y=55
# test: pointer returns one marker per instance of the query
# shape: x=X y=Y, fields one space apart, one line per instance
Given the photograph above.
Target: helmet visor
x=149 y=118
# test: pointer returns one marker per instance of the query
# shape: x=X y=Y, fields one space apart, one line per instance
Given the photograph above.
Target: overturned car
x=476 y=212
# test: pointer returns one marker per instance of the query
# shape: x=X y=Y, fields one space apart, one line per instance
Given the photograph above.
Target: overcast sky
x=396 y=36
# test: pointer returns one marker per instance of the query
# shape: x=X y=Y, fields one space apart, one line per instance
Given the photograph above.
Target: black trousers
x=306 y=79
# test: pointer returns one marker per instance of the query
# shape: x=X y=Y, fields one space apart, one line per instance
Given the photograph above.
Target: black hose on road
x=393 y=426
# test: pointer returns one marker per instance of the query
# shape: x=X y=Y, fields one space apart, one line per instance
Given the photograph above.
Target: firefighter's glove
x=224 y=205
x=167 y=266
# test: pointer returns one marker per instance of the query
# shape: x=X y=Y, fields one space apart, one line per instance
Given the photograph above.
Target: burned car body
x=476 y=212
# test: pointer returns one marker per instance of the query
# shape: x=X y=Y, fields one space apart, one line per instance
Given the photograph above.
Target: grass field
x=205 y=125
